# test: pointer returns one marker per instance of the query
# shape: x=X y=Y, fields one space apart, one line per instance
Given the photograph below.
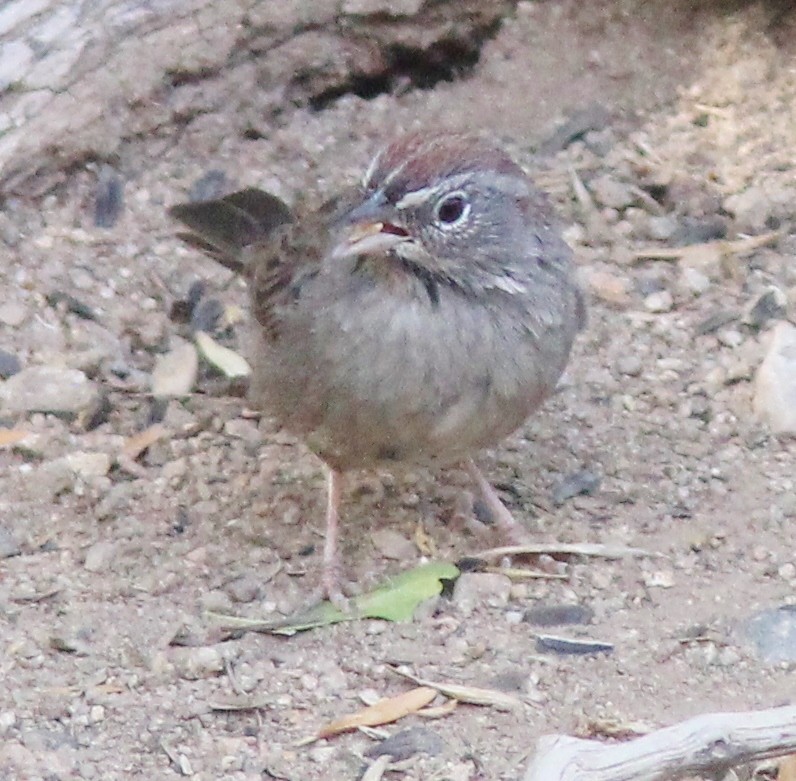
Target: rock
x=196 y=663
x=772 y=634
x=393 y=545
x=13 y=313
x=50 y=480
x=9 y=545
x=730 y=337
x=406 y=743
x=175 y=372
x=751 y=208
x=87 y=464
x=611 y=193
x=9 y=365
x=474 y=589
x=630 y=365
x=693 y=281
x=661 y=228
x=576 y=484
x=240 y=428
x=558 y=615
x=775 y=383
x=99 y=556
x=771 y=304
x=609 y=287
x=658 y=302
x=47 y=389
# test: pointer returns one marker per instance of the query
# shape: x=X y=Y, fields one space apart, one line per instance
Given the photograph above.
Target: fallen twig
x=706 y=745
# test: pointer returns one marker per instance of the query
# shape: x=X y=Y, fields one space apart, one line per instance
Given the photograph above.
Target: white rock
x=775 y=384
x=660 y=301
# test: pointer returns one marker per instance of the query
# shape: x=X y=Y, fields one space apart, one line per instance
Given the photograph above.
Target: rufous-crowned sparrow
x=420 y=317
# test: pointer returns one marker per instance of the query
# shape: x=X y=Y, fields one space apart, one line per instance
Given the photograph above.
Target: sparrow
x=415 y=319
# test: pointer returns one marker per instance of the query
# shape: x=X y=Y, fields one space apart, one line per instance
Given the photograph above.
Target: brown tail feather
x=223 y=228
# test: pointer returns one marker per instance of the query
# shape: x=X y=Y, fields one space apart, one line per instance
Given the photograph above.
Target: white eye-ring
x=452 y=209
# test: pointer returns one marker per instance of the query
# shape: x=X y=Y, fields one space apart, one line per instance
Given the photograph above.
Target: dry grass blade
x=139 y=442
x=569 y=549
x=376 y=771
x=240 y=703
x=472 y=695
x=717 y=248
x=518 y=573
x=384 y=711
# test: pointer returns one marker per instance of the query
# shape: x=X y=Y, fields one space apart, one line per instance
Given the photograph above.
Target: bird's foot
x=504 y=522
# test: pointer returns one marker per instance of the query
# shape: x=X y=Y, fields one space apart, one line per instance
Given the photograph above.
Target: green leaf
x=396 y=600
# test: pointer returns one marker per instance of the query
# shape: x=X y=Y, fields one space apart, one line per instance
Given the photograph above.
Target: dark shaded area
x=409 y=68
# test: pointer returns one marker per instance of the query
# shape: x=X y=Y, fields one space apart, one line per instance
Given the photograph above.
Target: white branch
x=705 y=744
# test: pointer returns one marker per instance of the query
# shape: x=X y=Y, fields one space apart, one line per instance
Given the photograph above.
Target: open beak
x=369 y=238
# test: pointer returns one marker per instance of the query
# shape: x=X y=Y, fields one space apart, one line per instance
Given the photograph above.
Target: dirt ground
x=109 y=667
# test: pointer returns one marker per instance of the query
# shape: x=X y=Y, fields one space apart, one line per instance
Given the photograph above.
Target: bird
x=418 y=317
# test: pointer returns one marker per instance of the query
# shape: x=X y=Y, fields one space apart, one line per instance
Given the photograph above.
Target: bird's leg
x=332 y=569
x=513 y=531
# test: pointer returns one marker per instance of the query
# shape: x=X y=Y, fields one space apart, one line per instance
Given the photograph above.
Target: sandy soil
x=109 y=668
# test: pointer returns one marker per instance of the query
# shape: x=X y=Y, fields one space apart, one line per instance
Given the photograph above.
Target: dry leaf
x=11 y=436
x=227 y=361
x=473 y=695
x=138 y=443
x=383 y=712
x=440 y=711
x=376 y=770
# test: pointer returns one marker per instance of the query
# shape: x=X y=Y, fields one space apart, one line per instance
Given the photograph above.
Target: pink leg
x=505 y=523
x=330 y=577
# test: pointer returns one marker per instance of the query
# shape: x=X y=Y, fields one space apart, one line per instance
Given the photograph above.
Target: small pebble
x=9 y=364
x=13 y=313
x=630 y=365
x=393 y=545
x=477 y=589
x=693 y=281
x=611 y=193
x=661 y=228
x=582 y=482
x=658 y=302
x=9 y=545
x=558 y=615
x=408 y=742
x=771 y=304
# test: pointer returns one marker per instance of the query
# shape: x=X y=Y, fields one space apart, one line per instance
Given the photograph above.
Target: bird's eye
x=452 y=208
